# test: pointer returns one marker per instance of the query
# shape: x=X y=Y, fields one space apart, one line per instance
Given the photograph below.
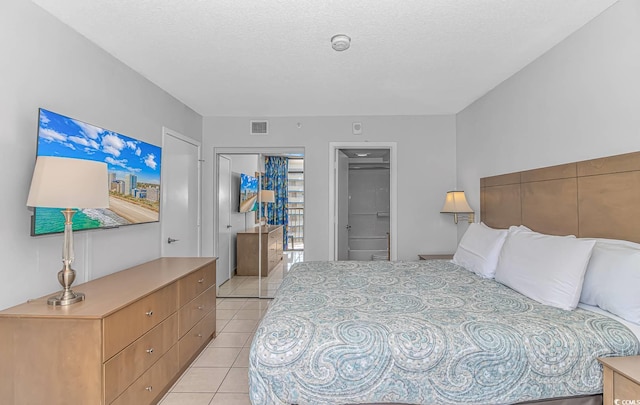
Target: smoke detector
x=340 y=42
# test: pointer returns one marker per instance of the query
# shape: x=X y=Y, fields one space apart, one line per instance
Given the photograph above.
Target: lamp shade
x=69 y=183
x=267 y=196
x=455 y=203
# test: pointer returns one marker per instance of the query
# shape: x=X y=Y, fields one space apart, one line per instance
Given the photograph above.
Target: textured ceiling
x=274 y=57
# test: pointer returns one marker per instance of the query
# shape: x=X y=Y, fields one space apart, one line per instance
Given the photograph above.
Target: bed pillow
x=479 y=248
x=612 y=279
x=548 y=269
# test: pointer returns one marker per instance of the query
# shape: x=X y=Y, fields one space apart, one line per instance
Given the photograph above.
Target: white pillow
x=612 y=279
x=516 y=228
x=548 y=269
x=479 y=249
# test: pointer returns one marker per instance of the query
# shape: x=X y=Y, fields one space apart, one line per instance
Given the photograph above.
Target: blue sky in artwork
x=66 y=137
x=249 y=183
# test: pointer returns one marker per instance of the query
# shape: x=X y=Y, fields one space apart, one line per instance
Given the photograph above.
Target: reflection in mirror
x=261 y=221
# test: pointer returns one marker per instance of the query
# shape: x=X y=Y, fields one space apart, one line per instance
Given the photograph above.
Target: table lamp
x=456 y=203
x=68 y=184
x=266 y=196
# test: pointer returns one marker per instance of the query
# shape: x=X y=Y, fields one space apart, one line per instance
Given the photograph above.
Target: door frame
x=174 y=134
x=218 y=158
x=393 y=192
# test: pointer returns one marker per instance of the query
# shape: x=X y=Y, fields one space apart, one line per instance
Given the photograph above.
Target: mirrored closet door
x=260 y=220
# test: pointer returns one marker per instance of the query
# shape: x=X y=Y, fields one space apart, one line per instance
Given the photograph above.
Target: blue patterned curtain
x=275 y=178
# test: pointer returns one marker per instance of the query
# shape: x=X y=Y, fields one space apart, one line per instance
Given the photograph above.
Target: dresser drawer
x=135 y=359
x=624 y=388
x=196 y=283
x=198 y=336
x=153 y=382
x=128 y=324
x=195 y=310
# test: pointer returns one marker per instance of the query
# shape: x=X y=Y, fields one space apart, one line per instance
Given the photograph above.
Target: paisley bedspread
x=425 y=332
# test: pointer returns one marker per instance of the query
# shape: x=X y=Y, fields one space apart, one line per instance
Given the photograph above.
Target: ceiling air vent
x=259 y=127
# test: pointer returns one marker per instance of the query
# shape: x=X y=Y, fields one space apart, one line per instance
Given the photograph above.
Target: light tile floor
x=219 y=376
x=248 y=286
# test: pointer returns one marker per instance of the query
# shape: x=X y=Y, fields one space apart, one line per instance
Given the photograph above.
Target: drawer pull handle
x=201 y=281
x=149 y=388
x=149 y=313
x=150 y=351
x=200 y=307
x=199 y=335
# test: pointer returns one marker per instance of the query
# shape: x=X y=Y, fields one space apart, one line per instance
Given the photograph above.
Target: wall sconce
x=456 y=203
x=67 y=184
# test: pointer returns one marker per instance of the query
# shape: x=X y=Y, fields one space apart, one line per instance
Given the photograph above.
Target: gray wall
x=45 y=64
x=426 y=171
x=579 y=101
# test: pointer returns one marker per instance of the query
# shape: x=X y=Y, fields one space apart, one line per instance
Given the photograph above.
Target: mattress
x=427 y=332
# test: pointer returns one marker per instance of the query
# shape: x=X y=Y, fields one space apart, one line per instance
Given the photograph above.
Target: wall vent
x=259 y=127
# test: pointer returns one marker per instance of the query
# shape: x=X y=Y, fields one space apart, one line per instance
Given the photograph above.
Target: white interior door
x=223 y=265
x=180 y=210
x=342 y=202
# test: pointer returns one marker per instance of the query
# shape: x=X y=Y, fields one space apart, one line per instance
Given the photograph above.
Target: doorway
x=259 y=222
x=363 y=201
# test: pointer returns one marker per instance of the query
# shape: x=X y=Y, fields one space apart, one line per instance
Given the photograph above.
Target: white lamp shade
x=267 y=196
x=69 y=183
x=455 y=203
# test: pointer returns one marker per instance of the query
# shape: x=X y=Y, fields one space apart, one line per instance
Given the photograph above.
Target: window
x=295 y=193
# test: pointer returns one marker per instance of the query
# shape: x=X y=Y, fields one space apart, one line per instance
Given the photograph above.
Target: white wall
x=579 y=101
x=426 y=170
x=45 y=64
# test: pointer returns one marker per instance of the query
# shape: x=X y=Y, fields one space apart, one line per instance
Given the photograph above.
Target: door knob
x=171 y=240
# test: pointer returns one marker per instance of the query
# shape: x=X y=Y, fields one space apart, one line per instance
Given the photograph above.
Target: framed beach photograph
x=133 y=166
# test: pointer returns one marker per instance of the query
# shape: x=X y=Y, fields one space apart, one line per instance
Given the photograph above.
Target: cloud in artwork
x=89 y=130
x=43 y=118
x=112 y=145
x=150 y=161
x=116 y=162
x=52 y=135
x=134 y=147
x=79 y=140
x=88 y=143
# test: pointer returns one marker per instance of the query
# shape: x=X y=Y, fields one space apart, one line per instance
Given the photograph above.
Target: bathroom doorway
x=363 y=201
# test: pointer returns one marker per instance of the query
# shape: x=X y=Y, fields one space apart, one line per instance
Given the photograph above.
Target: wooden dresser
x=127 y=343
x=621 y=380
x=247 y=250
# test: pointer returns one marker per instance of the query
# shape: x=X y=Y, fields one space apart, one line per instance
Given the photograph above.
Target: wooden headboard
x=597 y=198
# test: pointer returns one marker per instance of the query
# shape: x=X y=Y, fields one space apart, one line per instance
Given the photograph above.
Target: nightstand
x=621 y=379
x=432 y=257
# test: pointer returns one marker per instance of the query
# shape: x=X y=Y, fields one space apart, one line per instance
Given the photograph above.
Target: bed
x=434 y=332
x=431 y=333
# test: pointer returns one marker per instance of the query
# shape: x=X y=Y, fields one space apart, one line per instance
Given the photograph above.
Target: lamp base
x=65 y=299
